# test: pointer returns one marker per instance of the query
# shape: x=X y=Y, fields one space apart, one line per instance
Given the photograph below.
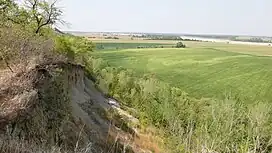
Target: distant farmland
x=118 y=46
x=211 y=71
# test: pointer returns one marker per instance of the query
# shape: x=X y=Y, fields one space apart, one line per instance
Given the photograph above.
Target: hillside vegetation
x=66 y=87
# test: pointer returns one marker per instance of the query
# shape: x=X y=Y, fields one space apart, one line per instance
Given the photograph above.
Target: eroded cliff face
x=56 y=104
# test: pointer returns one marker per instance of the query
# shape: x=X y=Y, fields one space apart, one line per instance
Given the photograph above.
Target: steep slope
x=56 y=107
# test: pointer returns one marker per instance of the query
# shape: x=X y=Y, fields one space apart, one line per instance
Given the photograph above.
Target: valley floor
x=202 y=71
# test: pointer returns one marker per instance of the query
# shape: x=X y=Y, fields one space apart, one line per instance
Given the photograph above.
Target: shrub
x=180 y=45
x=63 y=45
x=74 y=48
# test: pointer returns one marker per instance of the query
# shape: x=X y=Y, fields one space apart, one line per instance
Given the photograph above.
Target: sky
x=231 y=17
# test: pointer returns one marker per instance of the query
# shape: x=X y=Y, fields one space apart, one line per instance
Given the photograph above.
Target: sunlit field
x=203 y=69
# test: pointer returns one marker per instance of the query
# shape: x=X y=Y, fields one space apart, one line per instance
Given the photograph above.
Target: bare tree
x=44 y=13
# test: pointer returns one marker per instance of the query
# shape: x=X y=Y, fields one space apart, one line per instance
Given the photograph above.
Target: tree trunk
x=38 y=30
x=8 y=65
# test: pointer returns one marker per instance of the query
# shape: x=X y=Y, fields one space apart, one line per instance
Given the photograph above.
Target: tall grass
x=20 y=146
x=190 y=125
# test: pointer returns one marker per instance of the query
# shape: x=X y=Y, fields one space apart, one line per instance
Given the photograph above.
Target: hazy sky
x=246 y=17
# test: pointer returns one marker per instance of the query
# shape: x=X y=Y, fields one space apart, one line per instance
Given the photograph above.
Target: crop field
x=203 y=70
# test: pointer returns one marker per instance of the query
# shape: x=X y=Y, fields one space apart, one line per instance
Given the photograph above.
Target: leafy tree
x=11 y=13
x=36 y=14
x=180 y=45
x=20 y=24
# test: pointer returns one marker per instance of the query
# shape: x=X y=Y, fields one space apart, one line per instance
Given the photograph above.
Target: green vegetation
x=189 y=124
x=237 y=122
x=74 y=48
x=180 y=45
x=201 y=72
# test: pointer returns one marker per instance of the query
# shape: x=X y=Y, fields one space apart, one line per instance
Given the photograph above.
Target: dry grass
x=129 y=135
x=139 y=143
x=150 y=139
x=19 y=47
x=26 y=112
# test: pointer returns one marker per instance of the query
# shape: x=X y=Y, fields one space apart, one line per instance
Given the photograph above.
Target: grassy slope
x=208 y=72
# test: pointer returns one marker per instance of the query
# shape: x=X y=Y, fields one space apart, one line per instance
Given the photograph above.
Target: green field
x=132 y=44
x=202 y=72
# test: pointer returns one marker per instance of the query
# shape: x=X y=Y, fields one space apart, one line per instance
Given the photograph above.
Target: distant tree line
x=173 y=37
x=257 y=40
x=212 y=36
x=164 y=37
x=111 y=37
x=178 y=38
x=150 y=47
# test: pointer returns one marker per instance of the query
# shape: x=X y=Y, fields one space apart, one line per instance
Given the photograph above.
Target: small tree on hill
x=180 y=45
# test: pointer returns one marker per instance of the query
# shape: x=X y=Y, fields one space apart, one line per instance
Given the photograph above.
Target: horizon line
x=200 y=34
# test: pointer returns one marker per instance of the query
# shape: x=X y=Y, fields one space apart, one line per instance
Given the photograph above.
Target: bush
x=63 y=45
x=74 y=48
x=100 y=47
x=180 y=45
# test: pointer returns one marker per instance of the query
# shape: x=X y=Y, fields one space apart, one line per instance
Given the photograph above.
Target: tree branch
x=49 y=19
